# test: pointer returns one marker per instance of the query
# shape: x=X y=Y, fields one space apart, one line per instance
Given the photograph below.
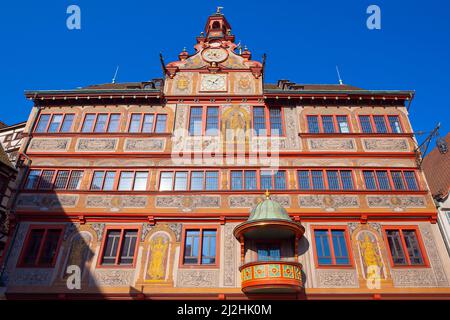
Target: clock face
x=215 y=54
x=214 y=82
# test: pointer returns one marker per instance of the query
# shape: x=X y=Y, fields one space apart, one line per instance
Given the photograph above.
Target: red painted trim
x=405 y=249
x=333 y=265
x=52 y=115
x=120 y=228
x=390 y=130
x=201 y=228
x=26 y=243
x=117 y=177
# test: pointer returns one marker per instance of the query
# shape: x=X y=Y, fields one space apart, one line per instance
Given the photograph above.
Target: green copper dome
x=268 y=210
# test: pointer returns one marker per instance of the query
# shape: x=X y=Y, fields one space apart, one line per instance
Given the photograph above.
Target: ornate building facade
x=157 y=189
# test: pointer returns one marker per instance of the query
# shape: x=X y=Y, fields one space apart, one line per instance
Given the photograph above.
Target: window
x=268 y=252
x=181 y=178
x=397 y=179
x=328 y=124
x=198 y=181
x=184 y=180
x=335 y=180
x=126 y=181
x=55 y=123
x=212 y=180
x=250 y=180
x=381 y=180
x=114 y=123
x=44 y=180
x=195 y=121
x=379 y=124
x=411 y=182
x=33 y=178
x=75 y=180
x=212 y=121
x=146 y=123
x=303 y=180
x=166 y=181
x=342 y=122
x=259 y=121
x=42 y=123
x=67 y=123
x=130 y=180
x=88 y=122
x=313 y=124
x=264 y=118
x=405 y=246
x=276 y=124
x=135 y=124
x=394 y=123
x=200 y=246
x=243 y=180
x=103 y=180
x=110 y=177
x=346 y=180
x=317 y=180
x=140 y=181
x=97 y=181
x=161 y=123
x=366 y=124
x=272 y=180
x=369 y=179
x=331 y=247
x=119 y=247
x=41 y=247
x=101 y=122
x=236 y=180
x=61 y=179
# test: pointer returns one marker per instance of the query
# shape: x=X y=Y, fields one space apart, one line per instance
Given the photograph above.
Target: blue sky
x=303 y=40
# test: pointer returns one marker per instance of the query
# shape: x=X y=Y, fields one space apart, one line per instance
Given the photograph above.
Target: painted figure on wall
x=158 y=257
x=370 y=254
x=79 y=253
x=235 y=126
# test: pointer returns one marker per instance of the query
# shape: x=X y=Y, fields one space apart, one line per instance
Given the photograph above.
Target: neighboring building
x=148 y=187
x=436 y=166
x=7 y=178
x=11 y=138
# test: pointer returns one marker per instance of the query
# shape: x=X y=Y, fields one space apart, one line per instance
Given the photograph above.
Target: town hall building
x=212 y=184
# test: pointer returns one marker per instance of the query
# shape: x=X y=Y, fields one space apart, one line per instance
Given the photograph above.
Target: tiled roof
x=3 y=125
x=437 y=170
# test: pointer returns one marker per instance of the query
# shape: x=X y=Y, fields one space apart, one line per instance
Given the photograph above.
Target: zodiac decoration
x=182 y=83
x=156 y=269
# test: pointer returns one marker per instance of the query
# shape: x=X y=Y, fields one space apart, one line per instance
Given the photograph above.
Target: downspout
x=15 y=196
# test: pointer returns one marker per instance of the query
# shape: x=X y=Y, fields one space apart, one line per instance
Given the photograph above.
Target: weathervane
x=218 y=10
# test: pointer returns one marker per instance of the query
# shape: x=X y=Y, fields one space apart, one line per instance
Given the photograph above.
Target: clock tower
x=217 y=67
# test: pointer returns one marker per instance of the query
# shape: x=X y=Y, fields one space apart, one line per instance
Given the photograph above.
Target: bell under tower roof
x=217 y=27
